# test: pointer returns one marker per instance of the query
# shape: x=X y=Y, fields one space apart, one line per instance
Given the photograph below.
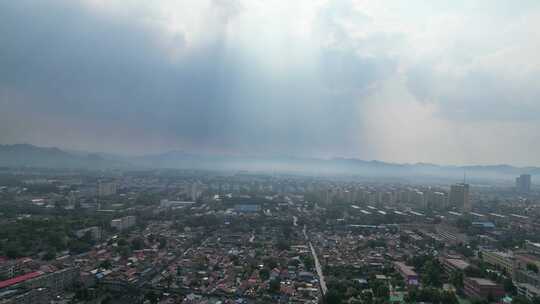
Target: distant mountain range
x=25 y=155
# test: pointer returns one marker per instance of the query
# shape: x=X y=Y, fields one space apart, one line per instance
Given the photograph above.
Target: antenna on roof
x=464 y=176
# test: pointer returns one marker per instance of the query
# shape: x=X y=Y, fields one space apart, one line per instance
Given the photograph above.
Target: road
x=318 y=267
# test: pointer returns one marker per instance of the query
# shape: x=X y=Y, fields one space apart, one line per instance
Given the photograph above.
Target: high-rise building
x=436 y=200
x=523 y=183
x=418 y=198
x=459 y=197
x=124 y=222
x=106 y=188
x=195 y=191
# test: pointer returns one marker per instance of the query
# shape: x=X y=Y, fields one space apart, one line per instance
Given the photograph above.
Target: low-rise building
x=532 y=247
x=106 y=188
x=56 y=281
x=247 y=208
x=94 y=231
x=450 y=264
x=527 y=290
x=123 y=223
x=23 y=296
x=19 y=279
x=175 y=204
x=482 y=288
x=408 y=274
x=12 y=268
x=501 y=260
x=524 y=269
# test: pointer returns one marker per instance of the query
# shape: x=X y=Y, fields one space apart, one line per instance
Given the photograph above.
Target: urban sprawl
x=178 y=236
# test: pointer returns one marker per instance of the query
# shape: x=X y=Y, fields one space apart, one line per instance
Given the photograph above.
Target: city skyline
x=251 y=151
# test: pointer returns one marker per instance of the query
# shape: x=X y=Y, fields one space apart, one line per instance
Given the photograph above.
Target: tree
x=287 y=230
x=509 y=286
x=432 y=273
x=264 y=274
x=463 y=223
x=308 y=261
x=382 y=291
x=283 y=245
x=13 y=251
x=480 y=301
x=274 y=285
x=87 y=238
x=456 y=278
x=82 y=294
x=520 y=300
x=333 y=297
x=123 y=251
x=367 y=297
x=105 y=264
x=77 y=246
x=412 y=296
x=271 y=263
x=169 y=280
x=107 y=300
x=152 y=297
x=448 y=297
x=49 y=255
x=137 y=244
x=490 y=298
x=532 y=267
x=162 y=243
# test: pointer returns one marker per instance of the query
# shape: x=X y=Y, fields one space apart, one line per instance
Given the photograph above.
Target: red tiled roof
x=19 y=279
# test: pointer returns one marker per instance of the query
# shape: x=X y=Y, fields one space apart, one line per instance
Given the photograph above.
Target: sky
x=448 y=82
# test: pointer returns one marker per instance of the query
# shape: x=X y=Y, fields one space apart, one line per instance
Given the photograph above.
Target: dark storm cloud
x=366 y=79
x=64 y=60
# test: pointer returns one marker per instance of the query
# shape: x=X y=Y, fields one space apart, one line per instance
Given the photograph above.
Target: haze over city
x=269 y=151
x=447 y=82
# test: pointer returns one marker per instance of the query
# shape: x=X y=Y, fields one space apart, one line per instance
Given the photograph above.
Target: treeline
x=47 y=235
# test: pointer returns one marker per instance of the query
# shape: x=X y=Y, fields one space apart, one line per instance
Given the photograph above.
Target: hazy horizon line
x=247 y=155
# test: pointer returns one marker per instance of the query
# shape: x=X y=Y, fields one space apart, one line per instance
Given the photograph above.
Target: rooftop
x=482 y=281
x=407 y=270
x=458 y=263
x=19 y=279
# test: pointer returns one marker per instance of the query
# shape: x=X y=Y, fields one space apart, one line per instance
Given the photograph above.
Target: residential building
x=437 y=201
x=524 y=272
x=459 y=197
x=175 y=204
x=482 y=288
x=408 y=274
x=532 y=247
x=528 y=291
x=94 y=231
x=12 y=268
x=247 y=208
x=451 y=264
x=106 y=188
x=56 y=281
x=501 y=260
x=124 y=222
x=523 y=183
